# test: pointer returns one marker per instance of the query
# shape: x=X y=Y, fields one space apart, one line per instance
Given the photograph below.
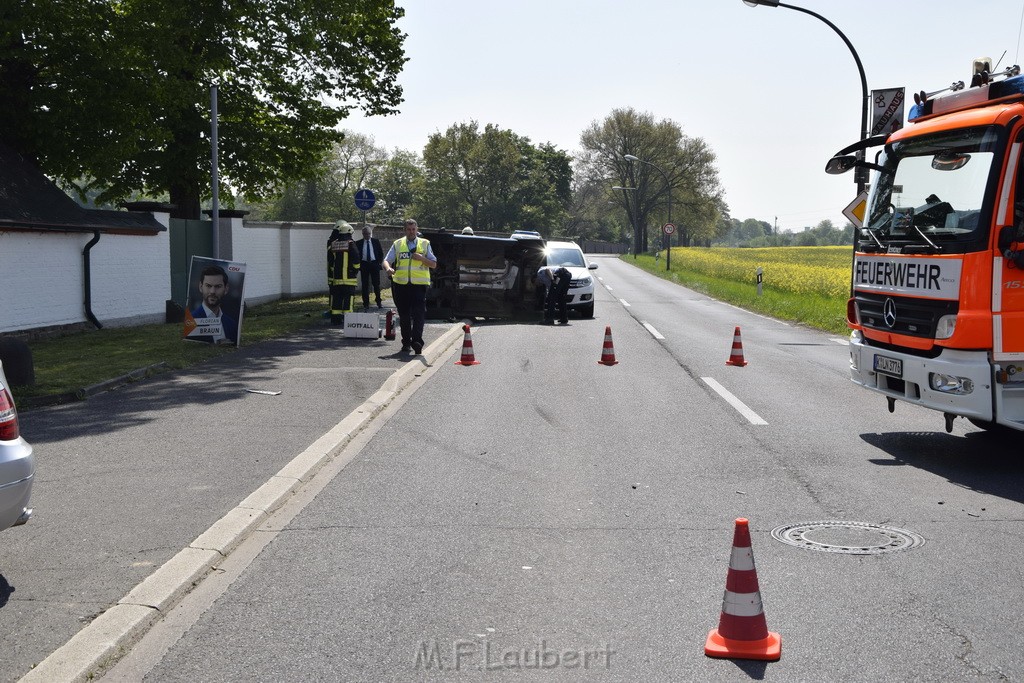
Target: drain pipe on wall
x=88 y=280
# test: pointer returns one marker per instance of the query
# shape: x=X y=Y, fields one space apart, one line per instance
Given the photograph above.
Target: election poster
x=216 y=290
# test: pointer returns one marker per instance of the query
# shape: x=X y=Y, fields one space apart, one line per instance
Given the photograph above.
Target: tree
x=492 y=179
x=119 y=92
x=329 y=193
x=394 y=187
x=593 y=216
x=688 y=163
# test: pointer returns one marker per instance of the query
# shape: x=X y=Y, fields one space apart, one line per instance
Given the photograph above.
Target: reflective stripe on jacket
x=342 y=267
x=408 y=271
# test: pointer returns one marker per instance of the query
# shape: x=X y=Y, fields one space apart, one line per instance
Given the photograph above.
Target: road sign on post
x=668 y=229
x=365 y=199
x=856 y=210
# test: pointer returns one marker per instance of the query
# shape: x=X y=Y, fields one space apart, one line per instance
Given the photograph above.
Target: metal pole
x=215 y=212
x=668 y=252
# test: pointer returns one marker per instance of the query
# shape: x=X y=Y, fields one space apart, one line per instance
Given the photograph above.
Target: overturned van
x=483 y=277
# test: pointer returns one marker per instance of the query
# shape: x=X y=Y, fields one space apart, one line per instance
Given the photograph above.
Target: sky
x=773 y=91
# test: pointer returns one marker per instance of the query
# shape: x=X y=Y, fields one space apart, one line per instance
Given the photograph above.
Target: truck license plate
x=889 y=366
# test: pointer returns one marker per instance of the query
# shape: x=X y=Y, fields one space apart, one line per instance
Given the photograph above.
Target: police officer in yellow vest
x=342 y=270
x=408 y=263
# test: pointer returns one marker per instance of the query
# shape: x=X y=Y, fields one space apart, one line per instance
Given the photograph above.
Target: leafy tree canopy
x=492 y=180
x=690 y=179
x=119 y=91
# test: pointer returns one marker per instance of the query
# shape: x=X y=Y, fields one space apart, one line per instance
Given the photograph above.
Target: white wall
x=42 y=273
x=282 y=259
x=43 y=276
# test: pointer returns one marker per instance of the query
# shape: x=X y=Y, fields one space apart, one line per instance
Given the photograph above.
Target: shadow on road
x=983 y=462
x=5 y=591
x=207 y=384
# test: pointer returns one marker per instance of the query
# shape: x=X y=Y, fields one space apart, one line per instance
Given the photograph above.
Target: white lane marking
x=624 y=303
x=837 y=340
x=763 y=317
x=608 y=288
x=743 y=410
x=600 y=278
x=650 y=328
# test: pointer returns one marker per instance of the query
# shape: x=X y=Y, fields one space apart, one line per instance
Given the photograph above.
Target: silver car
x=17 y=466
x=581 y=292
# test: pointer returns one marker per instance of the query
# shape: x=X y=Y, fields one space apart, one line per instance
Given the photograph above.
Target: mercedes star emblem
x=889 y=312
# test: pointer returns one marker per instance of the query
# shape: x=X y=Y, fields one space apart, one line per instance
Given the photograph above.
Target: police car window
x=565 y=257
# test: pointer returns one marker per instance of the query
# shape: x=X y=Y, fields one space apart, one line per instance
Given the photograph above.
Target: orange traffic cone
x=742 y=631
x=608 y=352
x=467 y=349
x=736 y=357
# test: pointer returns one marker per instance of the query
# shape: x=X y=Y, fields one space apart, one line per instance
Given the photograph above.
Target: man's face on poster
x=213 y=288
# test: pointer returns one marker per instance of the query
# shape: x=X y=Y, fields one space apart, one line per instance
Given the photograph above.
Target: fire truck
x=937 y=289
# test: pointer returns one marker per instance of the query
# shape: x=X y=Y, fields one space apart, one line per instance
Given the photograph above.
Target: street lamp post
x=859 y=175
x=632 y=220
x=668 y=184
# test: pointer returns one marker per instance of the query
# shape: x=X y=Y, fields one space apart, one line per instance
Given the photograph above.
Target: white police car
x=581 y=292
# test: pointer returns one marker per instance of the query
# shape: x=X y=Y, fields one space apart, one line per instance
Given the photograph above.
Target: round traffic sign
x=365 y=200
x=669 y=228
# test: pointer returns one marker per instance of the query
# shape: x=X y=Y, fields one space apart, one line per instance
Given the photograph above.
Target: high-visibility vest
x=408 y=271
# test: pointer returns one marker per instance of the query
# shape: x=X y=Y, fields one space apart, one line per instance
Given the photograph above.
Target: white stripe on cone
x=742 y=604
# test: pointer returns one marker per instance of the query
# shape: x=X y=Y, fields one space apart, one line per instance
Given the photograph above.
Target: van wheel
x=587 y=311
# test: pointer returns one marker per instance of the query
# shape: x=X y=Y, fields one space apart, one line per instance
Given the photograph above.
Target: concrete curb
x=121 y=625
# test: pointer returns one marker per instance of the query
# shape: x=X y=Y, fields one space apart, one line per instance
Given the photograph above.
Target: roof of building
x=31 y=201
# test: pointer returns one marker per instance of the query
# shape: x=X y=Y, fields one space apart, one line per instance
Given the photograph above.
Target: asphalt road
x=128 y=478
x=543 y=505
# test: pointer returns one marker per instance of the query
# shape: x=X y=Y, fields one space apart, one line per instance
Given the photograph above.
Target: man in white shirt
x=371 y=256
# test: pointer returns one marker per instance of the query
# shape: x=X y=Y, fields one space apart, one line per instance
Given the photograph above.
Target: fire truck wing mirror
x=840 y=165
x=950 y=161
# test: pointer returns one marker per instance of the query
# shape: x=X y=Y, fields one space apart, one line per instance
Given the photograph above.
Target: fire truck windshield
x=933 y=187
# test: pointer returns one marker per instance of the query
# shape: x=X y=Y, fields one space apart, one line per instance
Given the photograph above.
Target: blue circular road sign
x=365 y=200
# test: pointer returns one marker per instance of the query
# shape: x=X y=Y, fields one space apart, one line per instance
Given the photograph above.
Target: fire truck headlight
x=945 y=327
x=856 y=337
x=950 y=384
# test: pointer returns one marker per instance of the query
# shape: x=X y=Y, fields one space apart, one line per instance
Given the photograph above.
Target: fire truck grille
x=912 y=317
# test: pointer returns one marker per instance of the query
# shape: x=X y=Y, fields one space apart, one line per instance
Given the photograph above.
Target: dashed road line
x=650 y=328
x=741 y=407
x=624 y=303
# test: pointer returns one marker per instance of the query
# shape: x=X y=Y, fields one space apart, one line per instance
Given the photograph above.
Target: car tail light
x=8 y=417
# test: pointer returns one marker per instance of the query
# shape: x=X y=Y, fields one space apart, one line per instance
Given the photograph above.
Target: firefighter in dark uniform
x=342 y=270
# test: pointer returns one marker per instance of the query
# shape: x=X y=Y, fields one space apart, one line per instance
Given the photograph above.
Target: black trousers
x=369 y=274
x=411 y=302
x=556 y=297
x=341 y=302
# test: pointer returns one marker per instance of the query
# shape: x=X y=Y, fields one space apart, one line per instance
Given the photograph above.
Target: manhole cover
x=851 y=538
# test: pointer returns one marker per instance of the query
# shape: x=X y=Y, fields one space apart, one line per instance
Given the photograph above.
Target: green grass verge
x=814 y=310
x=70 y=363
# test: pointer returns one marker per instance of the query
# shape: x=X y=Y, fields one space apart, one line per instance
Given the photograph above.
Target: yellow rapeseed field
x=800 y=270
